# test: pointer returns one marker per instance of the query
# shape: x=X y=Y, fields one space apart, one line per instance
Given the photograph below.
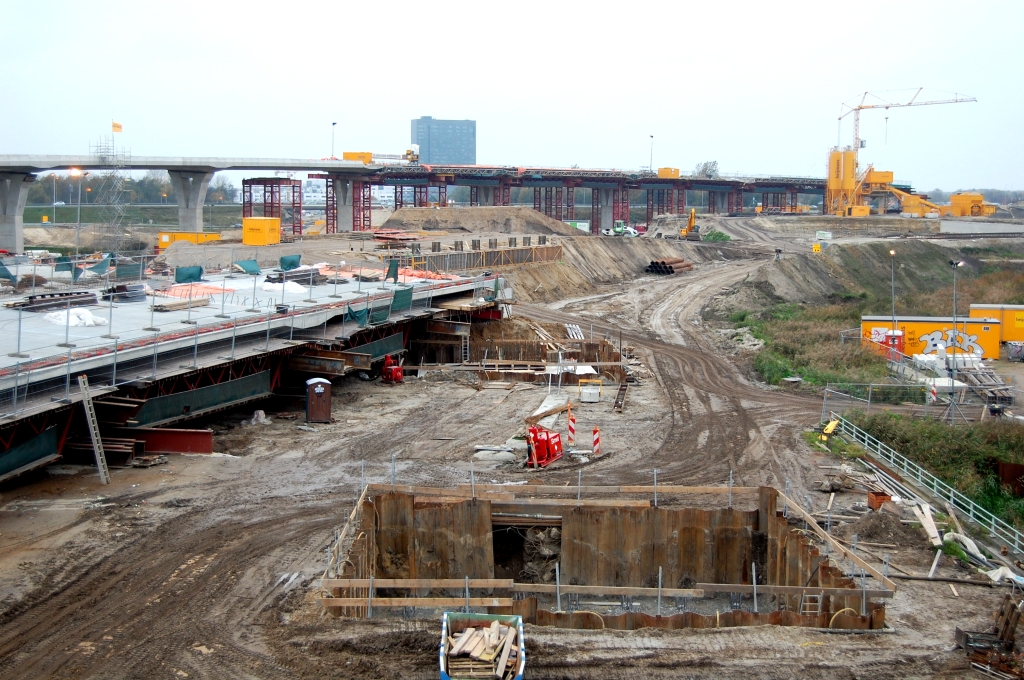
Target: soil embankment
x=478 y=220
x=588 y=262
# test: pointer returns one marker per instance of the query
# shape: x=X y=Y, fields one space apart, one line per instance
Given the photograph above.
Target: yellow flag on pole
x=116 y=127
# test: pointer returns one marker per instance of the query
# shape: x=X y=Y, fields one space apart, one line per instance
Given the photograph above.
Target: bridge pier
x=343 y=196
x=607 y=207
x=14 y=188
x=190 y=187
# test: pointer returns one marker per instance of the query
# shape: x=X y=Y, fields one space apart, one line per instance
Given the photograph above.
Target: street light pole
x=953 y=342
x=650 y=166
x=332 y=140
x=54 y=197
x=892 y=262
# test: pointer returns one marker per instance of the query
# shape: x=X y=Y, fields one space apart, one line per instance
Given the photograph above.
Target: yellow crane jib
x=847 y=189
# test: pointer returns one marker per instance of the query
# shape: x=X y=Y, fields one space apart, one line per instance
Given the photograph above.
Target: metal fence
x=166 y=357
x=927 y=481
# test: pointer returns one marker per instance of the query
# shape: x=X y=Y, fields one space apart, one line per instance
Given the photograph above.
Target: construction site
x=646 y=426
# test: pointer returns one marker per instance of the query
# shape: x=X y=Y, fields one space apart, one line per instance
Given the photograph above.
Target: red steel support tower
x=548 y=206
x=595 y=211
x=536 y=199
x=474 y=196
x=361 y=206
x=421 y=196
x=624 y=205
x=270 y=190
x=558 y=202
x=650 y=205
x=442 y=196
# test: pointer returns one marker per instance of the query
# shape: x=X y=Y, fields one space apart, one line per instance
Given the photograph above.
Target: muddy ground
x=207 y=567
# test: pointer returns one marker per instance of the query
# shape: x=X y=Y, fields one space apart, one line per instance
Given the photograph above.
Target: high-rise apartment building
x=445 y=141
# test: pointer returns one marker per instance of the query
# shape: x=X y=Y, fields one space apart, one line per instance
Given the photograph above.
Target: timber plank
x=417 y=583
x=433 y=602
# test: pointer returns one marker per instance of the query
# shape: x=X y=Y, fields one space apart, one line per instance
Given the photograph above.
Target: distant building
x=445 y=141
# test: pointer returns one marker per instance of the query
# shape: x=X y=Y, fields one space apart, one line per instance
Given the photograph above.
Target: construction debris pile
x=669 y=266
x=485 y=652
x=991 y=652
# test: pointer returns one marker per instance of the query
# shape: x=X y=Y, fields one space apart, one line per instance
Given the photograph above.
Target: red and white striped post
x=597 y=441
x=572 y=429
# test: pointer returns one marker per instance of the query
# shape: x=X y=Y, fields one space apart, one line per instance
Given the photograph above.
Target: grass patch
x=954 y=550
x=804 y=341
x=964 y=456
x=714 y=236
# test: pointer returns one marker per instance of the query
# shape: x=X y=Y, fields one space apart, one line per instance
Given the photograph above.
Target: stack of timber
x=300 y=276
x=984 y=382
x=552 y=343
x=483 y=650
x=47 y=301
x=669 y=266
x=178 y=305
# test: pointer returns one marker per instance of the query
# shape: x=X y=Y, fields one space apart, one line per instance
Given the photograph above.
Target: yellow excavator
x=688 y=232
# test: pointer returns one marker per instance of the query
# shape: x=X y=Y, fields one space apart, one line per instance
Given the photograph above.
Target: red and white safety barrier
x=597 y=441
x=572 y=429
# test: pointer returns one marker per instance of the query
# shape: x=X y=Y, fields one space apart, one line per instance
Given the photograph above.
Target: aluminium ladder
x=94 y=430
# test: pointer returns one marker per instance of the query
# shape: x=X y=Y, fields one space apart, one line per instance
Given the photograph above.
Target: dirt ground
x=207 y=567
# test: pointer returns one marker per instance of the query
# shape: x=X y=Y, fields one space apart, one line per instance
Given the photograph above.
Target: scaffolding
x=115 y=230
x=273 y=193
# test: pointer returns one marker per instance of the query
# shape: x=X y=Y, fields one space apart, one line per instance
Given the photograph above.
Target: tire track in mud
x=146 y=608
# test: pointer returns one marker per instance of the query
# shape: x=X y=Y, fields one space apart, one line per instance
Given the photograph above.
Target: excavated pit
x=691 y=561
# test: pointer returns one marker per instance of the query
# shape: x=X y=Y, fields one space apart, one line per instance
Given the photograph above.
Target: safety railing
x=929 y=482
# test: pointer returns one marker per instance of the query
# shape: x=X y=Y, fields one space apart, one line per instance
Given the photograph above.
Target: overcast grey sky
x=756 y=86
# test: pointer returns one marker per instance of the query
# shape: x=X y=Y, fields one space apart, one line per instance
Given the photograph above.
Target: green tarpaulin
x=379 y=315
x=392 y=270
x=64 y=264
x=128 y=271
x=402 y=299
x=188 y=274
x=290 y=262
x=101 y=267
x=359 y=317
x=248 y=266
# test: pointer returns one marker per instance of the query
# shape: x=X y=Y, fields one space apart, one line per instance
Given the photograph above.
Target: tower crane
x=846 y=185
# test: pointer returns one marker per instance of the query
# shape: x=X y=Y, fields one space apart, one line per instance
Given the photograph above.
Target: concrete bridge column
x=607 y=212
x=13 y=196
x=485 y=196
x=190 y=188
x=343 y=194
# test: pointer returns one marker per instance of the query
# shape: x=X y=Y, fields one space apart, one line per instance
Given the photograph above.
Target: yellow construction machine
x=850 y=192
x=691 y=221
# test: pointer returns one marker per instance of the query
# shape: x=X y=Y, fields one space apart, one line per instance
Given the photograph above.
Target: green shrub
x=716 y=236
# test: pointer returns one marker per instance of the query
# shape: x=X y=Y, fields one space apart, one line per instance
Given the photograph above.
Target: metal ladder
x=94 y=430
x=465 y=349
x=810 y=605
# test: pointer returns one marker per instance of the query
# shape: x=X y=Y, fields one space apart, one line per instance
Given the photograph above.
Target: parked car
x=58 y=204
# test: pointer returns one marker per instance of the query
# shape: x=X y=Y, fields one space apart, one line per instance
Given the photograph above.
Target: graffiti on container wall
x=928 y=336
x=934 y=341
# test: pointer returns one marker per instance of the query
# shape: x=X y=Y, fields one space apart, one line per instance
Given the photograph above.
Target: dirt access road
x=206 y=568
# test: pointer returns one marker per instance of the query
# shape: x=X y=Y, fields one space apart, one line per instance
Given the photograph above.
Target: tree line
x=154 y=187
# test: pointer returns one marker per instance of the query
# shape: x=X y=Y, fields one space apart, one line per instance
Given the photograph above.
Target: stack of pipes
x=669 y=266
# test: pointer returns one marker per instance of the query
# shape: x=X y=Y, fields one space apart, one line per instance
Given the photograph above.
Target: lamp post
x=332 y=140
x=54 y=197
x=650 y=166
x=892 y=262
x=75 y=172
x=955 y=264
